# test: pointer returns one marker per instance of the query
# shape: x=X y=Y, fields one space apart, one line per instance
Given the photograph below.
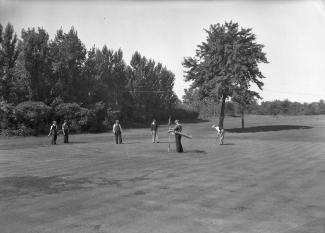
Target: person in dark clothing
x=65 y=130
x=154 y=131
x=117 y=130
x=178 y=137
x=53 y=132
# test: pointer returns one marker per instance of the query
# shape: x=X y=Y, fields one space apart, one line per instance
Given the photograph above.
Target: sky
x=293 y=32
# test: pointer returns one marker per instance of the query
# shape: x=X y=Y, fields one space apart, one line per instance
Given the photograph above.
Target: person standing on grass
x=53 y=132
x=117 y=130
x=220 y=133
x=65 y=131
x=154 y=131
x=178 y=137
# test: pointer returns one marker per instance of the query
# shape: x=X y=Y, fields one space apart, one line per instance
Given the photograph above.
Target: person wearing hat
x=178 y=137
x=53 y=132
x=154 y=131
x=117 y=130
x=65 y=130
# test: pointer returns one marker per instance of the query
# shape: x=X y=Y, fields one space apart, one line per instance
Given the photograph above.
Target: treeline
x=43 y=79
x=210 y=108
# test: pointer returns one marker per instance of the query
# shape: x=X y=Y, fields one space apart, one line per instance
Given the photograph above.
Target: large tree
x=35 y=58
x=67 y=57
x=8 y=56
x=151 y=85
x=225 y=63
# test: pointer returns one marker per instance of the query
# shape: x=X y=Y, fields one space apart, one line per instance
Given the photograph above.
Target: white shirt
x=218 y=129
x=115 y=126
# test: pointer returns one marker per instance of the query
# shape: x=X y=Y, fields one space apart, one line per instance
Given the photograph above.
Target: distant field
x=268 y=178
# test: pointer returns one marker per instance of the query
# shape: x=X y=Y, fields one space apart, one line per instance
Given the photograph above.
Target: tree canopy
x=97 y=82
x=226 y=64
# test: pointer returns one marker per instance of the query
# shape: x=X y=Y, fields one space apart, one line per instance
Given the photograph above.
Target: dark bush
x=34 y=115
x=78 y=117
x=7 y=115
x=99 y=121
x=185 y=114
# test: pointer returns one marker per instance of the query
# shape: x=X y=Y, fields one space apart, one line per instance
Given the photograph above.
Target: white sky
x=293 y=33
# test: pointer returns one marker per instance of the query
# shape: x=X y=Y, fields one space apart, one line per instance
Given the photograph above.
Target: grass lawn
x=268 y=178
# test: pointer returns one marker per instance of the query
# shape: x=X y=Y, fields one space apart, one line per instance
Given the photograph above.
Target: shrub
x=185 y=114
x=7 y=115
x=34 y=115
x=67 y=110
x=20 y=131
x=78 y=117
x=98 y=122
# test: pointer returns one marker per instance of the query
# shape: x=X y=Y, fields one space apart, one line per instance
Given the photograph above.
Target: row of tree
x=59 y=78
x=276 y=107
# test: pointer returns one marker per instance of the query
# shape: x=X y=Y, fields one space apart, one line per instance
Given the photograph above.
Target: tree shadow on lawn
x=195 y=151
x=266 y=128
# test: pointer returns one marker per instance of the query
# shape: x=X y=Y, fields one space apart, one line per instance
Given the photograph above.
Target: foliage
x=8 y=56
x=226 y=64
x=151 y=87
x=77 y=116
x=182 y=112
x=90 y=88
x=33 y=114
x=67 y=55
x=99 y=120
x=36 y=65
x=7 y=114
x=275 y=108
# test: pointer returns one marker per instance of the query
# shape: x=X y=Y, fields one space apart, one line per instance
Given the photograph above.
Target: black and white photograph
x=162 y=116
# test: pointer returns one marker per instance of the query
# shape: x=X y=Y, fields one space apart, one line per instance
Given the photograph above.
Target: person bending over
x=220 y=133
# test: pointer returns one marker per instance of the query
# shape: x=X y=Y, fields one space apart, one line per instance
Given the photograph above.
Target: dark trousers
x=179 y=147
x=118 y=137
x=54 y=137
x=66 y=136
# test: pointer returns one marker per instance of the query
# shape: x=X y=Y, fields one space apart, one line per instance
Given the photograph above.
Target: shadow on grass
x=266 y=128
x=196 y=151
x=171 y=142
x=127 y=143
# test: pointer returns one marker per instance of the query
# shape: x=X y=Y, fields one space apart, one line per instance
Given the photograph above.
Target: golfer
x=117 y=130
x=154 y=131
x=178 y=137
x=53 y=132
x=65 y=131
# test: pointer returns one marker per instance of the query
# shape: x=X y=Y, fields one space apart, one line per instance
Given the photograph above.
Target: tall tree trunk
x=242 y=117
x=222 y=112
